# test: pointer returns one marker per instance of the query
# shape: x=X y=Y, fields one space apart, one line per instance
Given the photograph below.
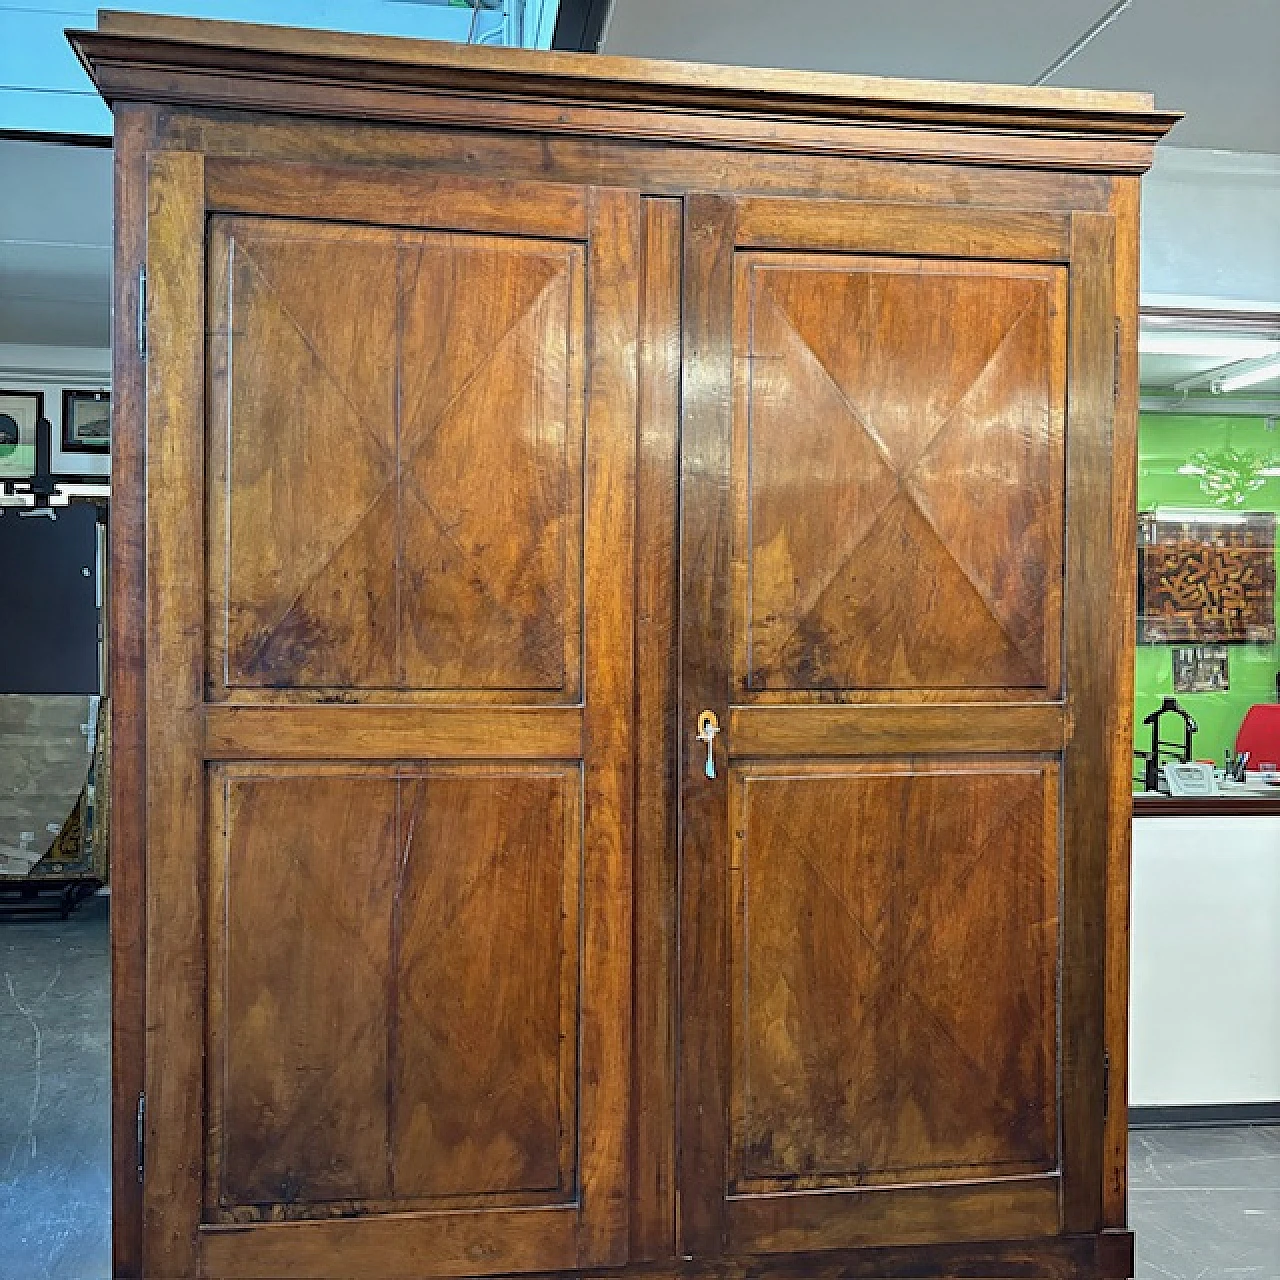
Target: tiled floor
x=1204 y=1202
x=55 y=1214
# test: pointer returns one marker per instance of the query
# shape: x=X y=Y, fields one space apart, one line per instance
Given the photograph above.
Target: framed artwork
x=1207 y=577
x=1201 y=668
x=86 y=421
x=19 y=413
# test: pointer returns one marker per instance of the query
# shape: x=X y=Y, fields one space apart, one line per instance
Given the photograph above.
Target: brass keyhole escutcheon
x=708 y=727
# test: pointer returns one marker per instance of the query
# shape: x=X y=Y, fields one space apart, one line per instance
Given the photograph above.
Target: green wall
x=1165 y=443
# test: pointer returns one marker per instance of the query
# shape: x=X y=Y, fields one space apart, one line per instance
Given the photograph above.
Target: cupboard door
x=390 y=507
x=896 y=453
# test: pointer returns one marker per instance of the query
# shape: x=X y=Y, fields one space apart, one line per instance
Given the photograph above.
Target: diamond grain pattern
x=311 y=453
x=402 y=484
x=900 y=399
x=489 y=509
x=863 y=1053
x=310 y=875
x=482 y=1101
x=394 y=987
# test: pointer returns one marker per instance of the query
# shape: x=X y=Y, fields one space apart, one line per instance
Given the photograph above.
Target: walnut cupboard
x=622 y=599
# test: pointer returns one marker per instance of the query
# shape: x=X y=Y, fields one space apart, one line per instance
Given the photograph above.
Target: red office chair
x=1260 y=735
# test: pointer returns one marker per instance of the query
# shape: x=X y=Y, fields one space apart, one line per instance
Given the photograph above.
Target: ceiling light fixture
x=1263 y=371
x=1222 y=346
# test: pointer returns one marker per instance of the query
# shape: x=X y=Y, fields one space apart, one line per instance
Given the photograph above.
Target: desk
x=1205 y=1016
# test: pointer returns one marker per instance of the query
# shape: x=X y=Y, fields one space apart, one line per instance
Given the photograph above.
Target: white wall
x=1205 y=1011
x=1211 y=229
x=49 y=370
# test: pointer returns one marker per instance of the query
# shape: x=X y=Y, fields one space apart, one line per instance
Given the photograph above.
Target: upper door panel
x=396 y=462
x=898 y=442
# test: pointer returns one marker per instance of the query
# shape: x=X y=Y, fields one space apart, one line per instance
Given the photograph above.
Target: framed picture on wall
x=86 y=421
x=19 y=413
x=1206 y=577
x=1201 y=668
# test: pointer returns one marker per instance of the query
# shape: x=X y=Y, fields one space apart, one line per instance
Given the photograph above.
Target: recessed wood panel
x=395 y=460
x=394 y=987
x=895 y=960
x=486 y=974
x=307 y=874
x=898 y=473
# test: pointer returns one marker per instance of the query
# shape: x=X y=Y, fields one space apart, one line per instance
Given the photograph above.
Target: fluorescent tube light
x=1263 y=372
x=1214 y=346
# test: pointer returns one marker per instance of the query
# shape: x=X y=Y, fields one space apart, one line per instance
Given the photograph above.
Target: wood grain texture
x=704 y=683
x=401 y=1247
x=580 y=72
x=409 y=198
x=132 y=79
x=485 y=963
x=457 y=177
x=613 y=334
x=391 y=732
x=876 y=227
x=799 y=1177
x=1121 y=806
x=894 y=989
x=126 y=687
x=409 y=1035
x=303 y=877
x=1098 y=1257
x=878 y=403
x=1016 y=1209
x=869 y=730
x=174 y=782
x=1090 y=691
x=393 y=357
x=551 y=93
x=667 y=168
x=653 y=1154
x=394 y=988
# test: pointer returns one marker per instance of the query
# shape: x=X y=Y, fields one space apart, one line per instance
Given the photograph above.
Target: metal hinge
x=1106 y=1082
x=142 y=313
x=1115 y=366
x=142 y=1134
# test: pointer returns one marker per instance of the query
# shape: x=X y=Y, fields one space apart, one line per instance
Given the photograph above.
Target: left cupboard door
x=391 y=432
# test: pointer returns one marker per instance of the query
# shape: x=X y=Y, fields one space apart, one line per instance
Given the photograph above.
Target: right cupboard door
x=896 y=459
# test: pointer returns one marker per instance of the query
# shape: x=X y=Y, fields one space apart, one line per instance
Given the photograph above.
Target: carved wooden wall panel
x=395 y=461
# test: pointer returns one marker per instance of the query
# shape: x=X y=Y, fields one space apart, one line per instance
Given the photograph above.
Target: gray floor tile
x=55 y=1205
x=1205 y=1203
x=1244 y=1157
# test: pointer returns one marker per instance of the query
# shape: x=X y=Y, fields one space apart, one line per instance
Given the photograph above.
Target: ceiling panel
x=987 y=40
x=1217 y=62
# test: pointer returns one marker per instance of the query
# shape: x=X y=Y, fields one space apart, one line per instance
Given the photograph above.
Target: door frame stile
x=1089 y=684
x=613 y=347
x=703 y=623
x=175 y=930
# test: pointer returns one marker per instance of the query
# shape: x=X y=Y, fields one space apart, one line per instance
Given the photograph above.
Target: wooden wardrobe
x=623 y=617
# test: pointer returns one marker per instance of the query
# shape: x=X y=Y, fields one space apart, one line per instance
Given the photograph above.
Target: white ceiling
x=1217 y=61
